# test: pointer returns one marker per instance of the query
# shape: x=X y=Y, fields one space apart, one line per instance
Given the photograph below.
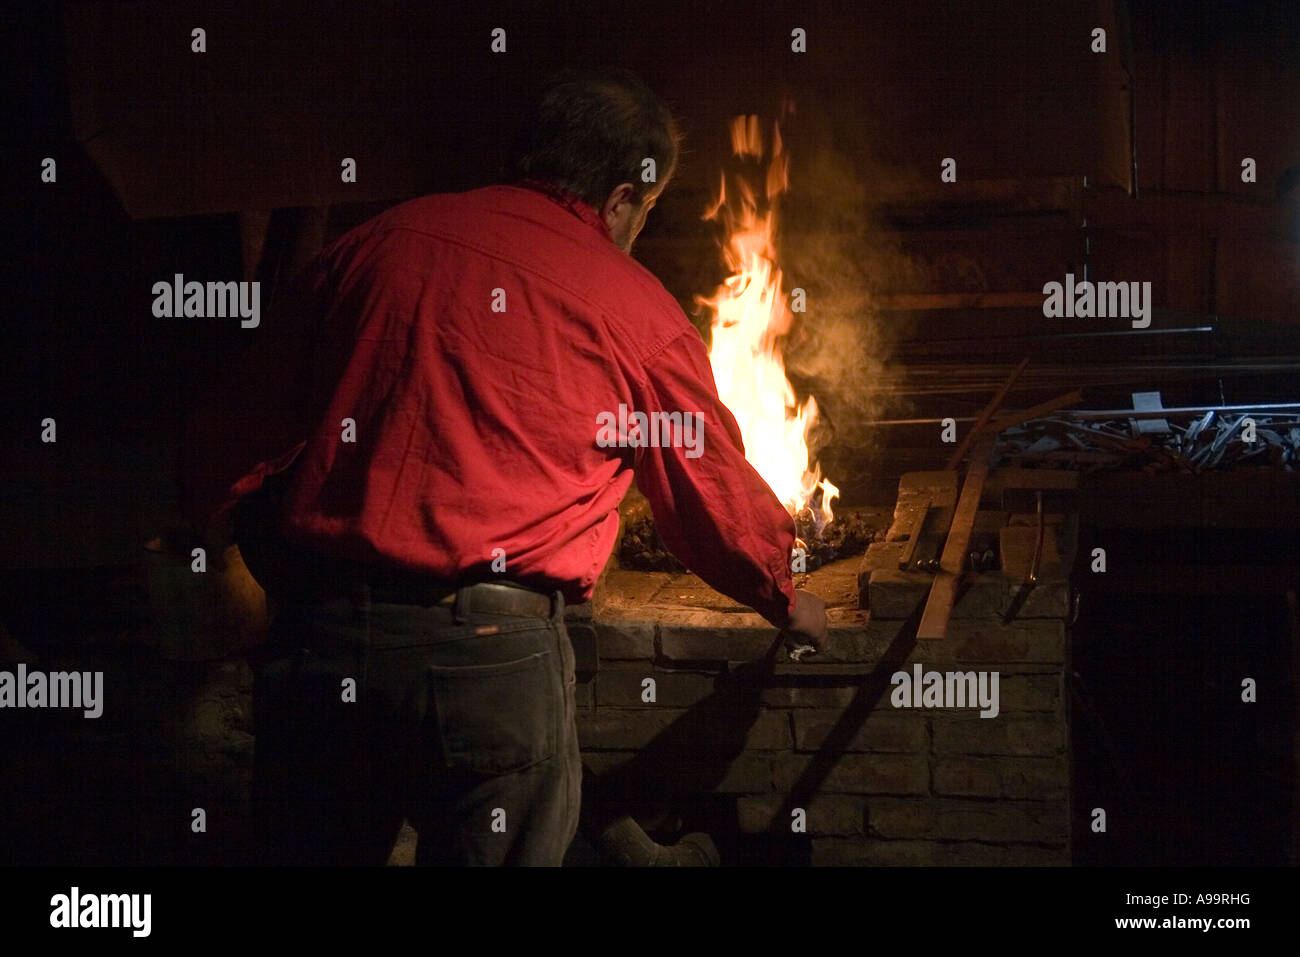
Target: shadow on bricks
x=689 y=756
x=868 y=697
x=693 y=754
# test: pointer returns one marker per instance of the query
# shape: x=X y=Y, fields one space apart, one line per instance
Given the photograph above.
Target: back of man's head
x=590 y=131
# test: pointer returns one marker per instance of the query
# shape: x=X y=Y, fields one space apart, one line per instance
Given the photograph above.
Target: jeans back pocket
x=496 y=718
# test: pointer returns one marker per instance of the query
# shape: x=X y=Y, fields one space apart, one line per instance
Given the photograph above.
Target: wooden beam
x=1010 y=478
x=1205 y=214
x=1034 y=412
x=1035 y=193
x=916 y=302
x=943 y=593
x=987 y=414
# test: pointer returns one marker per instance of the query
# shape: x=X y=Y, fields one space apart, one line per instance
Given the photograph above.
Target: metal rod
x=1031 y=580
x=1112 y=413
x=1179 y=410
x=1049 y=336
x=1038 y=548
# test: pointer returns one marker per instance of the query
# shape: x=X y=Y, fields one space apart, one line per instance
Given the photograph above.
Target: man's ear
x=611 y=208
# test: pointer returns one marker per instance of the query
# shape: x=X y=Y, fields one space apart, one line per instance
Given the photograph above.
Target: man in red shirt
x=432 y=400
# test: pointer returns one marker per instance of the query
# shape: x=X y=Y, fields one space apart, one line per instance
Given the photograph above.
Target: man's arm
x=712 y=509
x=256 y=416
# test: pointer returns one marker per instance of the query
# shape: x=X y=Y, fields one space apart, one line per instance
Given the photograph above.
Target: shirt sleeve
x=257 y=414
x=711 y=508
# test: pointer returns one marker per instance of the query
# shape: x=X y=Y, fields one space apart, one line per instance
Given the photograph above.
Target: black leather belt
x=498 y=598
x=311 y=578
x=492 y=598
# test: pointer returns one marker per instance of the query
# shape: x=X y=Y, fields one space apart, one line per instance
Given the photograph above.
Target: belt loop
x=460 y=609
x=557 y=606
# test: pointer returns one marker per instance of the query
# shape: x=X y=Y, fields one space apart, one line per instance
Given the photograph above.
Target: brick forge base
x=736 y=739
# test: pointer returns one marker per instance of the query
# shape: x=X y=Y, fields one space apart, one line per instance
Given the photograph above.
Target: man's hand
x=807 y=622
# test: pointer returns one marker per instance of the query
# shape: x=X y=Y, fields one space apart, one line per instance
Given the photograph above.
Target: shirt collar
x=569 y=201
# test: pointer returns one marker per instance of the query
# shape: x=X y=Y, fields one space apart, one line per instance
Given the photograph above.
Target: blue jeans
x=370 y=712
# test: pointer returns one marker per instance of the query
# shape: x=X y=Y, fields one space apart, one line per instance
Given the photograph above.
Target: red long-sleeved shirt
x=474 y=339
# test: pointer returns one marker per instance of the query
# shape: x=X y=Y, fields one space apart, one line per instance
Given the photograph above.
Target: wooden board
x=943 y=593
x=1034 y=412
x=989 y=411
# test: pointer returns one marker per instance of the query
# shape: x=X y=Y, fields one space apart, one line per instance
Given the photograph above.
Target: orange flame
x=750 y=315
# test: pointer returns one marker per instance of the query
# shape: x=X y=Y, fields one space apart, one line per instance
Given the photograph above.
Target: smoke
x=830 y=246
x=833 y=244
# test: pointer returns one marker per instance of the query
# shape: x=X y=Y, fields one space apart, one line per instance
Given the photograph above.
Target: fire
x=750 y=317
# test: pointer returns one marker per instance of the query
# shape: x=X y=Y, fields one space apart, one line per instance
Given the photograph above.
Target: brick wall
x=738 y=729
